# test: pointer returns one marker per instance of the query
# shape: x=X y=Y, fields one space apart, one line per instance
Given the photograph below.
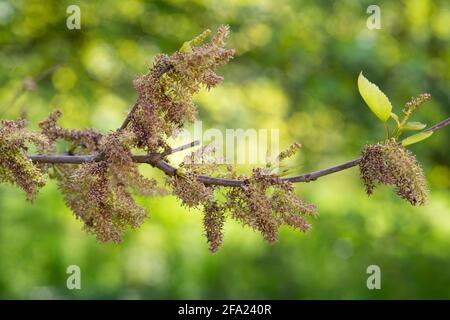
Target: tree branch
x=156 y=160
x=180 y=148
x=73 y=159
x=439 y=125
x=130 y=113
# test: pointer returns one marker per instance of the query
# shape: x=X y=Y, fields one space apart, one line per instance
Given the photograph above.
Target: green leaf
x=414 y=126
x=416 y=138
x=188 y=45
x=375 y=98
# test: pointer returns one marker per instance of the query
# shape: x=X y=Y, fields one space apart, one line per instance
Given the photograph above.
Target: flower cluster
x=186 y=187
x=99 y=192
x=122 y=170
x=15 y=167
x=165 y=93
x=195 y=194
x=213 y=222
x=392 y=164
x=266 y=202
x=87 y=139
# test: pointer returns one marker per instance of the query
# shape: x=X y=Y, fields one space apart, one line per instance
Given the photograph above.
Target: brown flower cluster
x=165 y=93
x=87 y=139
x=266 y=202
x=186 y=187
x=15 y=167
x=99 y=192
x=392 y=164
x=195 y=194
x=213 y=222
x=105 y=207
x=122 y=170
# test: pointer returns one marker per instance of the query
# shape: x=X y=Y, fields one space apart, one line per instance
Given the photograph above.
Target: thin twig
x=129 y=115
x=74 y=159
x=320 y=173
x=439 y=125
x=156 y=161
x=180 y=148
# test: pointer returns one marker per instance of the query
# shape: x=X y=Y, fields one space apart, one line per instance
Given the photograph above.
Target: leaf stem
x=387 y=130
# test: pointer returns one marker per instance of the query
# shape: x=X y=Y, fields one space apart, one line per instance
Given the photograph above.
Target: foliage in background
x=295 y=68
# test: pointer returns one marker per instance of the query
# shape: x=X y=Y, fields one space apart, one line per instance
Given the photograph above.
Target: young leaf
x=374 y=98
x=416 y=138
x=414 y=126
x=188 y=45
x=395 y=117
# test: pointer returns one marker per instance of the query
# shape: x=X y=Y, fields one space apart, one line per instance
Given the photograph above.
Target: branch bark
x=439 y=125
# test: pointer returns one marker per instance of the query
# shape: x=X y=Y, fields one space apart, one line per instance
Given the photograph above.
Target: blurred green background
x=296 y=68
